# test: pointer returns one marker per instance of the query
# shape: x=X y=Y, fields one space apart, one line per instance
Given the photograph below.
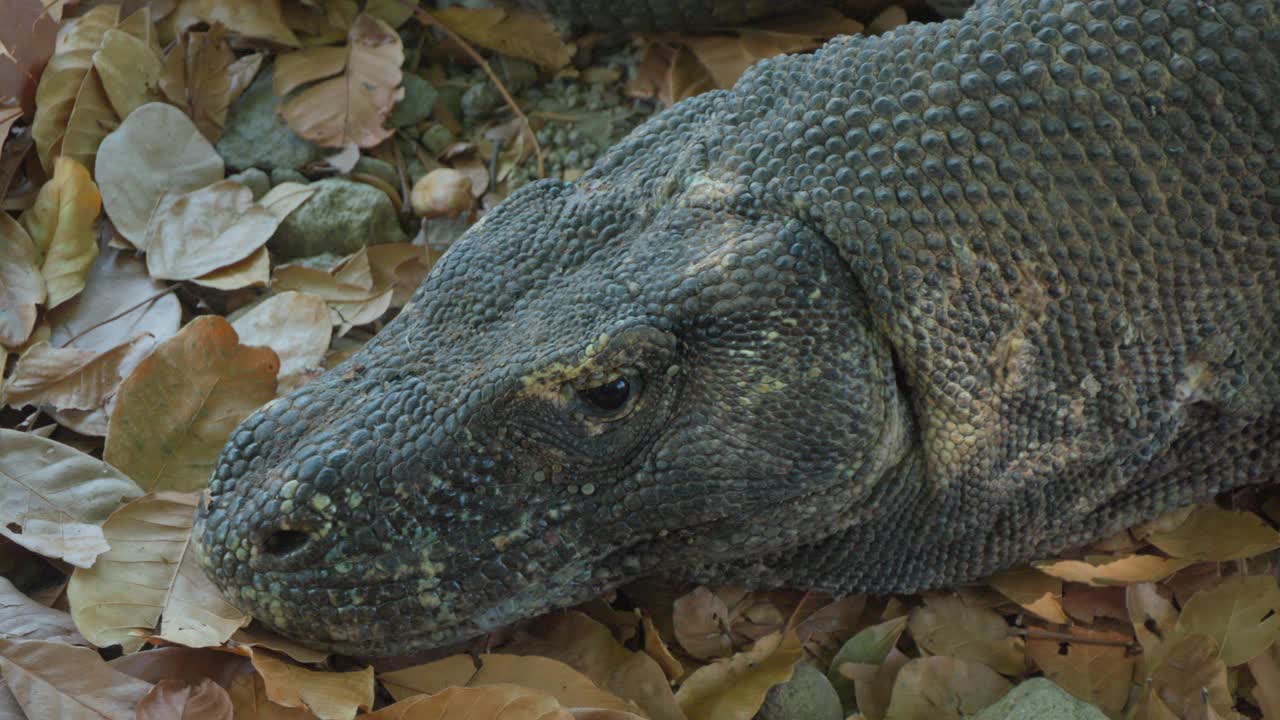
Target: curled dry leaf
x=21 y=284
x=54 y=498
x=57 y=680
x=570 y=687
x=151 y=577
x=296 y=326
x=944 y=688
x=178 y=700
x=734 y=689
x=330 y=695
x=1109 y=570
x=61 y=225
x=353 y=106
x=1241 y=615
x=156 y=151
x=517 y=33
x=177 y=409
x=22 y=618
x=354 y=293
x=1033 y=590
x=201 y=231
x=1210 y=533
x=1098 y=674
x=64 y=378
x=945 y=625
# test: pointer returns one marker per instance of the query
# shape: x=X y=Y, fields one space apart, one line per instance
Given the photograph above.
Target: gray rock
x=808 y=695
x=1040 y=699
x=437 y=138
x=284 y=175
x=340 y=218
x=255 y=180
x=256 y=137
x=419 y=99
x=380 y=169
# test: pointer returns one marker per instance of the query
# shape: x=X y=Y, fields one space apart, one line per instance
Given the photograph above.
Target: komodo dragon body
x=891 y=316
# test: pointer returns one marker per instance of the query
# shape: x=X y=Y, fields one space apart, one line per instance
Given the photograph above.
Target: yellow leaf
x=944 y=688
x=1033 y=590
x=61 y=224
x=21 y=285
x=734 y=689
x=1212 y=534
x=151 y=577
x=1241 y=614
x=54 y=498
x=330 y=695
x=945 y=625
x=177 y=409
x=129 y=70
x=1112 y=570
x=61 y=82
x=1154 y=619
x=517 y=33
x=353 y=106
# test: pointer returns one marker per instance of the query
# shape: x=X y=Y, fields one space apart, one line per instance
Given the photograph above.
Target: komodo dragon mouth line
x=755 y=342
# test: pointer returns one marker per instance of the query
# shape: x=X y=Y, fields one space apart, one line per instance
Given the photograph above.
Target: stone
x=342 y=217
x=437 y=138
x=254 y=179
x=380 y=169
x=419 y=100
x=1040 y=699
x=284 y=175
x=808 y=695
x=255 y=136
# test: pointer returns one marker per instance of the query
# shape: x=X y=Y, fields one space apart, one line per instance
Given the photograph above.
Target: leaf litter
x=142 y=315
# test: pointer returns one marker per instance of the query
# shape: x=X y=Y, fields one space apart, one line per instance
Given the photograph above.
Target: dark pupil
x=610 y=396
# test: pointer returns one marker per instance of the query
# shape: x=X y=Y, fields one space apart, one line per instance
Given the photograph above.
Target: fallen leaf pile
x=145 y=309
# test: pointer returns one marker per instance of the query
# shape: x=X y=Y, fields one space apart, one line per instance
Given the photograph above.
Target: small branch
x=1042 y=634
x=427 y=18
x=151 y=298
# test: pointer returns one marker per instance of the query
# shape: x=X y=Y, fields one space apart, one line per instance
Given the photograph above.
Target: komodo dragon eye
x=611 y=398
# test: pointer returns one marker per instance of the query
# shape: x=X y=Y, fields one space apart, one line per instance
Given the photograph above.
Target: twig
x=1042 y=634
x=151 y=298
x=427 y=18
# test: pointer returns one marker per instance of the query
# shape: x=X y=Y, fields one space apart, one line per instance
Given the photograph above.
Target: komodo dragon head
x=639 y=373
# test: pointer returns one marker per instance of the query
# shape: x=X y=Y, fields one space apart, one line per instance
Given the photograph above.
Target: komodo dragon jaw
x=898 y=314
x=480 y=460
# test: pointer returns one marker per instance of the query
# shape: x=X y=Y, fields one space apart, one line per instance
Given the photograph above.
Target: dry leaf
x=1098 y=674
x=177 y=700
x=68 y=75
x=151 y=577
x=944 y=688
x=22 y=618
x=515 y=33
x=1037 y=592
x=129 y=69
x=177 y=409
x=570 y=687
x=1265 y=669
x=1154 y=619
x=352 y=107
x=56 y=680
x=1210 y=533
x=945 y=625
x=197 y=233
x=1108 y=570
x=734 y=689
x=701 y=621
x=873 y=684
x=197 y=78
x=21 y=284
x=254 y=270
x=330 y=695
x=1191 y=682
x=61 y=225
x=491 y=702
x=1241 y=615
x=260 y=19
x=354 y=293
x=64 y=378
x=54 y=498
x=27 y=38
x=830 y=625
x=156 y=151
x=871 y=647
x=189 y=665
x=250 y=701
x=296 y=326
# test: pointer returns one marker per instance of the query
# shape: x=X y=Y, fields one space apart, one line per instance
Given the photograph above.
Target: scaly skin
x=895 y=315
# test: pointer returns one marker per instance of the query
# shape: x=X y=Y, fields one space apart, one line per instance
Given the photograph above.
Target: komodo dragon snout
x=576 y=397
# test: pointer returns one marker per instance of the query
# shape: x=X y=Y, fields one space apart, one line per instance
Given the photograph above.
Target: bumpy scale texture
x=891 y=316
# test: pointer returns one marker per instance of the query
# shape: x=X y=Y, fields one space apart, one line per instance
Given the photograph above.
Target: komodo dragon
x=891 y=316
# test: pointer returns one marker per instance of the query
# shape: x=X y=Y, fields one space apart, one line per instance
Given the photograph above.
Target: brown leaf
x=151 y=577
x=22 y=618
x=189 y=665
x=1154 y=620
x=823 y=632
x=56 y=680
x=491 y=702
x=61 y=225
x=177 y=409
x=1098 y=674
x=871 y=648
x=129 y=69
x=734 y=689
x=1192 y=681
x=206 y=59
x=873 y=684
x=353 y=106
x=257 y=636
x=296 y=326
x=54 y=498
x=250 y=701
x=1108 y=570
x=944 y=688
x=945 y=625
x=330 y=695
x=570 y=687
x=64 y=378
x=657 y=649
x=701 y=622
x=515 y=33
x=260 y=19
x=156 y=151
x=177 y=700
x=21 y=284
x=1037 y=592
x=201 y=231
x=354 y=293
x=1265 y=669
x=68 y=71
x=1242 y=615
x=27 y=37
x=1210 y=533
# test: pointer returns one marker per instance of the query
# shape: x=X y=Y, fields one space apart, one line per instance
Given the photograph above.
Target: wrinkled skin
x=896 y=315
